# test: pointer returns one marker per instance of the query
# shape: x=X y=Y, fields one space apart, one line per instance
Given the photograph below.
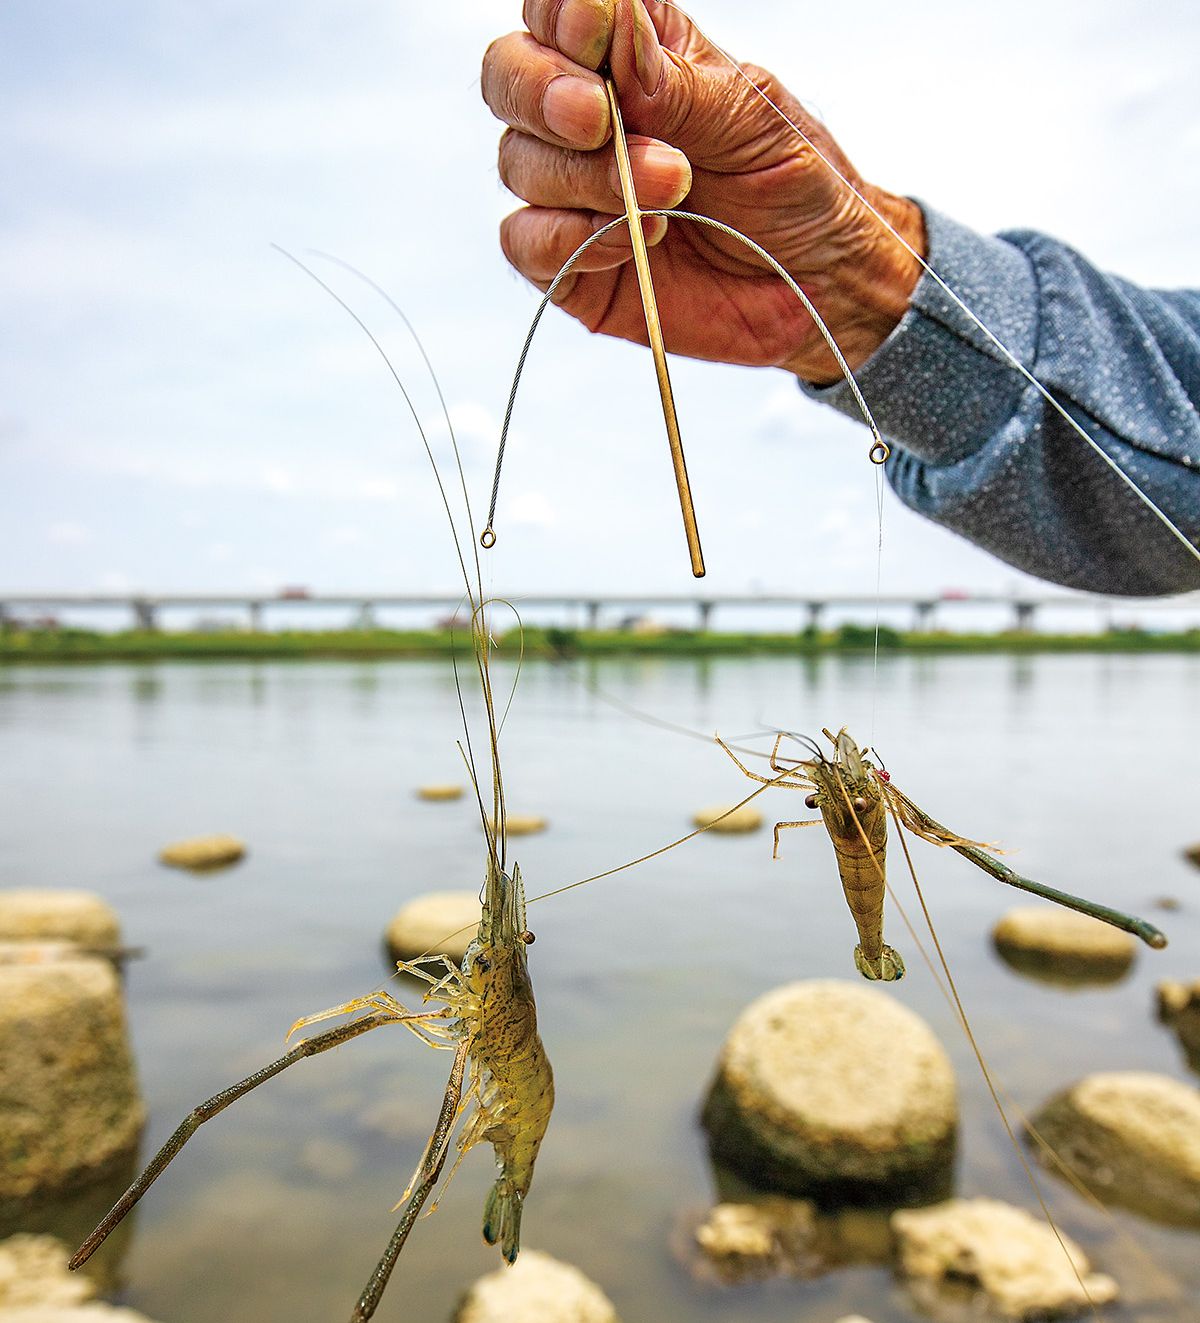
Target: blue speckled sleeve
x=978 y=450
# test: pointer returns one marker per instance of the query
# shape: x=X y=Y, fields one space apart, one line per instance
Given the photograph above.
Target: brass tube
x=641 y=263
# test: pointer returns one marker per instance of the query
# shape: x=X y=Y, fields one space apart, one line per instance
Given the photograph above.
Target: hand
x=697 y=130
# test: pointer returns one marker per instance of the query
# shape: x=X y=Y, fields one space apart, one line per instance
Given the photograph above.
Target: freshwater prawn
x=482 y=1011
x=855 y=800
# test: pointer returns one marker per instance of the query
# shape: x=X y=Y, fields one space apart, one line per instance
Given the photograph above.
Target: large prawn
x=483 y=1011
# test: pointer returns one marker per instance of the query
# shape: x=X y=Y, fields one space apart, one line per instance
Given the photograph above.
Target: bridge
x=808 y=610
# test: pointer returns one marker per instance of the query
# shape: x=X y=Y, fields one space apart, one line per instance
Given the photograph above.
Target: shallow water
x=1084 y=765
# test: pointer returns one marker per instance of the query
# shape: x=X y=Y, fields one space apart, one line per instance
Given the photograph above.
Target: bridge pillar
x=706 y=609
x=256 y=613
x=924 y=616
x=813 y=621
x=365 y=619
x=593 y=615
x=1023 y=613
x=143 y=615
x=4 y=620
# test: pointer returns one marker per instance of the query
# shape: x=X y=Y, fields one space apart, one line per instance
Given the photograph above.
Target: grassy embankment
x=75 y=645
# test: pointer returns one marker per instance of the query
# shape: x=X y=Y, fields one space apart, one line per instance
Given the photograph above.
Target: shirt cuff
x=938 y=386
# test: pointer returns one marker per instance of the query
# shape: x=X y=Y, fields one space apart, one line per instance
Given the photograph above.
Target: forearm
x=979 y=450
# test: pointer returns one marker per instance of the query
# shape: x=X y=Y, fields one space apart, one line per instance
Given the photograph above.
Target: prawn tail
x=887 y=967
x=502 y=1218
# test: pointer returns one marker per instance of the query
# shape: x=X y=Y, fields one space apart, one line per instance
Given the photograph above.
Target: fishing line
x=878 y=598
x=1007 y=354
x=961 y=1013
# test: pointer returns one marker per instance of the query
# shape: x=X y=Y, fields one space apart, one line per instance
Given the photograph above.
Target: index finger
x=581 y=29
x=537 y=90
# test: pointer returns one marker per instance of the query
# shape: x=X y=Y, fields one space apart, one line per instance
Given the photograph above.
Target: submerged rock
x=33 y=1271
x=1011 y=1257
x=440 y=923
x=536 y=1289
x=729 y=818
x=750 y=1241
x=521 y=824
x=438 y=794
x=1179 y=1008
x=69 y=1103
x=1061 y=945
x=825 y=1087
x=70 y=916
x=199 y=854
x=1133 y=1138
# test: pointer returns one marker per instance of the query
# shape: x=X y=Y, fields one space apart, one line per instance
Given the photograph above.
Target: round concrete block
x=729 y=818
x=439 y=794
x=71 y=916
x=200 y=854
x=826 y=1086
x=1134 y=1138
x=536 y=1289
x=440 y=923
x=1062 y=945
x=69 y=1103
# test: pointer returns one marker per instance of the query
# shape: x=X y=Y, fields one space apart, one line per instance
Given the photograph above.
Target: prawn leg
x=427 y=1177
x=918 y=821
x=214 y=1105
x=787 y=826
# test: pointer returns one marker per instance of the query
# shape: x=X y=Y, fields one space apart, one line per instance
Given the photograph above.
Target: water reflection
x=146 y=685
x=638 y=976
x=70 y=1217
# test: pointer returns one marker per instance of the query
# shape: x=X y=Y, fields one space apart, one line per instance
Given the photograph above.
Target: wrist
x=863 y=297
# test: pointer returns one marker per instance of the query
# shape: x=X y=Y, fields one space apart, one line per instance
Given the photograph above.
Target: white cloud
x=277 y=480
x=377 y=488
x=67 y=533
x=345 y=536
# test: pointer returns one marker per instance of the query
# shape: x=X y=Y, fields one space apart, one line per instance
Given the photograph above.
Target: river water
x=1085 y=766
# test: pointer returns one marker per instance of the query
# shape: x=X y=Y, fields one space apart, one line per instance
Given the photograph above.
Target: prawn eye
x=860 y=804
x=483 y=964
x=810 y=801
x=528 y=938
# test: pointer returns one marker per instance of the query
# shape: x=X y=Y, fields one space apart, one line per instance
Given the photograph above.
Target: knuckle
x=540 y=17
x=506 y=157
x=764 y=80
x=514 y=242
x=508 y=70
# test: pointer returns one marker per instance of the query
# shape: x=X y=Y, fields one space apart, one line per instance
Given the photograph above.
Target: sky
x=181 y=409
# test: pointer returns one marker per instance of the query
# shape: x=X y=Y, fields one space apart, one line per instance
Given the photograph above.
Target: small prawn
x=855 y=799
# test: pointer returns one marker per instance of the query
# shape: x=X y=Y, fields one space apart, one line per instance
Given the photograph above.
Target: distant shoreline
x=73 y=645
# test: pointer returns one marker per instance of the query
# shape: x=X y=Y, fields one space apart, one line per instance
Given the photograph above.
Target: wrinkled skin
x=698 y=131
